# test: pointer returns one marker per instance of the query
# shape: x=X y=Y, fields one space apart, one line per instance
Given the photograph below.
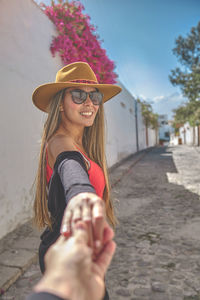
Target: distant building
x=165 y=129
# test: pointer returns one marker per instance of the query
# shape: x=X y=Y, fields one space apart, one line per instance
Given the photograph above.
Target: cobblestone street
x=158 y=239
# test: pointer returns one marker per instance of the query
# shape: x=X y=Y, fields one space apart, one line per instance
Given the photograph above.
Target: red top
x=95 y=173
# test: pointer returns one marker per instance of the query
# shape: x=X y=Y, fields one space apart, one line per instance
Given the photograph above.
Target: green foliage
x=150 y=118
x=189 y=112
x=187 y=76
x=188 y=81
x=187 y=51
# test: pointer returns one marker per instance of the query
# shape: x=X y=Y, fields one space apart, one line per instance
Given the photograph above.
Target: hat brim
x=44 y=93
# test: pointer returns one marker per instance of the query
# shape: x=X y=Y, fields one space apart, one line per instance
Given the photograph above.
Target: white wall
x=174 y=140
x=189 y=134
x=120 y=124
x=26 y=62
x=141 y=130
x=152 y=137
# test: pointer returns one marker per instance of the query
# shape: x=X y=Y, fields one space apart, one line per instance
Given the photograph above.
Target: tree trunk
x=156 y=133
x=184 y=137
x=194 y=136
x=147 y=138
x=136 y=124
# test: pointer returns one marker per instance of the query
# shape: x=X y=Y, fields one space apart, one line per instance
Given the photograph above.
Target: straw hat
x=73 y=75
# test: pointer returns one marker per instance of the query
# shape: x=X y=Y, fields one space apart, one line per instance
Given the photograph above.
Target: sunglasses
x=80 y=96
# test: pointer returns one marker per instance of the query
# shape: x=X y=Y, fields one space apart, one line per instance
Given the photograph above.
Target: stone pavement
x=158 y=238
x=19 y=249
x=184 y=162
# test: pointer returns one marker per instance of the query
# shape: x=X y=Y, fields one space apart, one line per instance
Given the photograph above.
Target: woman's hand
x=90 y=209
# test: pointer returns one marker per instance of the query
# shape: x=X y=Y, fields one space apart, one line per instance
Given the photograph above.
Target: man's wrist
x=54 y=285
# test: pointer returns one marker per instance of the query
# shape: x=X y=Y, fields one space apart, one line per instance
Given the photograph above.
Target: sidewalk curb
x=17 y=245
x=196 y=148
x=17 y=273
x=136 y=157
x=18 y=251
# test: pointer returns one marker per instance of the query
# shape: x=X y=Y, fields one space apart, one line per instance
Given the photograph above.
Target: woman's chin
x=88 y=123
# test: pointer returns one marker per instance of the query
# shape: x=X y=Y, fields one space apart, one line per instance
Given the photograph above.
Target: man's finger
x=98 y=229
x=104 y=259
x=108 y=233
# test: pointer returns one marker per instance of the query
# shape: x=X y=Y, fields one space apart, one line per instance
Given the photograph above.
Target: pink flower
x=77 y=39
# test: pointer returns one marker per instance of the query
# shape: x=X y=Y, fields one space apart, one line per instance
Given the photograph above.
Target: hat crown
x=76 y=71
x=73 y=75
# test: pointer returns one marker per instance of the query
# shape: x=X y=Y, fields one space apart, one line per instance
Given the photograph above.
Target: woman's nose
x=88 y=101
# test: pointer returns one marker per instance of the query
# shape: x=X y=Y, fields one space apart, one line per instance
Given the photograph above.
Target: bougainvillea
x=77 y=39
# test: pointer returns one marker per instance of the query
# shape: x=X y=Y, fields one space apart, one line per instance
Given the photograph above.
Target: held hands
x=70 y=271
x=90 y=209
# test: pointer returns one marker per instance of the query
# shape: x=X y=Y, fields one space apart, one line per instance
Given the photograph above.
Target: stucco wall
x=120 y=124
x=152 y=137
x=141 y=129
x=189 y=134
x=26 y=62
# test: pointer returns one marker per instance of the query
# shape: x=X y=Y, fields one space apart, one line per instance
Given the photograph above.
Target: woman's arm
x=80 y=195
x=73 y=175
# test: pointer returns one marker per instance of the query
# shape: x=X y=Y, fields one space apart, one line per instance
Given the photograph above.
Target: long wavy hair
x=94 y=145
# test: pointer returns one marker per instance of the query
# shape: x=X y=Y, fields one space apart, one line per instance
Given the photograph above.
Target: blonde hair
x=94 y=145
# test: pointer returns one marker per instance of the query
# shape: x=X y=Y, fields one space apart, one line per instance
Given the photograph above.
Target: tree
x=77 y=39
x=187 y=76
x=149 y=117
x=188 y=112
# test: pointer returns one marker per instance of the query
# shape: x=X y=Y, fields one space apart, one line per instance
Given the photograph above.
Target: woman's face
x=79 y=114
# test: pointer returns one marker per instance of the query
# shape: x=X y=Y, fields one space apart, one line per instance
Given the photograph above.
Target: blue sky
x=139 y=36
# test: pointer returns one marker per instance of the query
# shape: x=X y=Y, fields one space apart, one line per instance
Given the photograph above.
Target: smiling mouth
x=87 y=113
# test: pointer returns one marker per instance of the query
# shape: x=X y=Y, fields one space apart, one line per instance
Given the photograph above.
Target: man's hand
x=70 y=271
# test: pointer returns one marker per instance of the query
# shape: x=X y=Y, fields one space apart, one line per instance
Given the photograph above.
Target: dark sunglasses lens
x=96 y=97
x=78 y=96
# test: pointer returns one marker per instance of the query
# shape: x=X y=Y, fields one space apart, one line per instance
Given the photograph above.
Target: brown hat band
x=83 y=81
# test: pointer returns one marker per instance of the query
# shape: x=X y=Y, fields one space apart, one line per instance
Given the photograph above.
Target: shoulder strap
x=70 y=155
x=84 y=157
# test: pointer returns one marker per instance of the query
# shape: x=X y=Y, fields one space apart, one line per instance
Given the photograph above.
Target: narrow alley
x=158 y=238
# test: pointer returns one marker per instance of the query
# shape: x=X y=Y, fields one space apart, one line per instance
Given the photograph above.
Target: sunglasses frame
x=86 y=94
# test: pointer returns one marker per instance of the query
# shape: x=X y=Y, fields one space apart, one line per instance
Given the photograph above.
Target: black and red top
x=68 y=178
x=96 y=175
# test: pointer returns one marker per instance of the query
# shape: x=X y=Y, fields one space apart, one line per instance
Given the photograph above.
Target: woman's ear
x=61 y=107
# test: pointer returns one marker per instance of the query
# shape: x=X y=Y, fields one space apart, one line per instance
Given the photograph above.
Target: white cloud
x=165 y=104
x=151 y=85
x=158 y=99
x=142 y=97
x=140 y=77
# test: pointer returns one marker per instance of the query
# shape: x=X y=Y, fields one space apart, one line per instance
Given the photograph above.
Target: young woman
x=72 y=171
